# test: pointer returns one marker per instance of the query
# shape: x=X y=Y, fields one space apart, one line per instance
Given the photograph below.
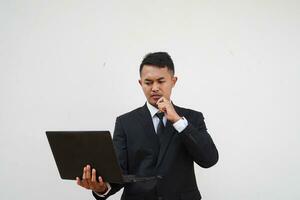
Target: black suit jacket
x=140 y=152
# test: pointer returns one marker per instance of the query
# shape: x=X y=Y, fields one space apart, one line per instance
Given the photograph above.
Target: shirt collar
x=153 y=110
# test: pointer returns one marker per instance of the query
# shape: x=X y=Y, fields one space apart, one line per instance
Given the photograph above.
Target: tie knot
x=160 y=115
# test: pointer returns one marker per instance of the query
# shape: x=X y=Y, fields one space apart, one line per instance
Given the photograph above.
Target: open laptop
x=72 y=150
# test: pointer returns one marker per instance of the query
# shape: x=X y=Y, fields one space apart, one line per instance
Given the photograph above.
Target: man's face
x=156 y=83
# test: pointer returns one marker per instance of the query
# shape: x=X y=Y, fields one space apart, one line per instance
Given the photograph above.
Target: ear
x=140 y=82
x=174 y=80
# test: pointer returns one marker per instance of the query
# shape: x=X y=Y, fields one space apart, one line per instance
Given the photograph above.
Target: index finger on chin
x=160 y=100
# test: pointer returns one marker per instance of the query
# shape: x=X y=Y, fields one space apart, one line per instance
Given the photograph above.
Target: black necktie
x=161 y=126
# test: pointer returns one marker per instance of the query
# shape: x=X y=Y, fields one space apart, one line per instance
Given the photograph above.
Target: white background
x=73 y=65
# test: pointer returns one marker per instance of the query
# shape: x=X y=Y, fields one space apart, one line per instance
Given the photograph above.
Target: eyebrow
x=159 y=79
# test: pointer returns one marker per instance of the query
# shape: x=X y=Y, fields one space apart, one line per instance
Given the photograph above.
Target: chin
x=153 y=103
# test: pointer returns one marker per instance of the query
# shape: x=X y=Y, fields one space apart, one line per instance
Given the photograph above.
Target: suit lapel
x=147 y=123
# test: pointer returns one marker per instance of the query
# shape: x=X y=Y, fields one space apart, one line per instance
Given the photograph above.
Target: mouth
x=156 y=97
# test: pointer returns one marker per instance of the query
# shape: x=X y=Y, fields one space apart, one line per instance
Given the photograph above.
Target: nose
x=155 y=87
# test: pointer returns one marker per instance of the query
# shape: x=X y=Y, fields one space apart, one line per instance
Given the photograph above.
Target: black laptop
x=73 y=150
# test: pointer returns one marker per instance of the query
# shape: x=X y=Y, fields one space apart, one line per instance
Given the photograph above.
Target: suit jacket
x=142 y=153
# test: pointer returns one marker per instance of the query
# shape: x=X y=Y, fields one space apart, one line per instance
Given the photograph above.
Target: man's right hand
x=90 y=182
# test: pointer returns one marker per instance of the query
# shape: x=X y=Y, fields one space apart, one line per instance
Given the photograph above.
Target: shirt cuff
x=180 y=125
x=107 y=191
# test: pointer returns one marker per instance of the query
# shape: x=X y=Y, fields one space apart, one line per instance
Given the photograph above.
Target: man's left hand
x=164 y=105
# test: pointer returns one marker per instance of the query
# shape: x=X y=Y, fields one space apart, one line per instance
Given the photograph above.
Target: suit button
x=160 y=198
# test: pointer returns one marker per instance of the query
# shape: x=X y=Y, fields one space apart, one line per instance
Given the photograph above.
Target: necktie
x=161 y=126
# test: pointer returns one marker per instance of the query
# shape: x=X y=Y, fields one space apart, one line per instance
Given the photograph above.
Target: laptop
x=73 y=150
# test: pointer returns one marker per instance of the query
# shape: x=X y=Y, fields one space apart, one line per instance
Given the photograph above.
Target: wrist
x=175 y=119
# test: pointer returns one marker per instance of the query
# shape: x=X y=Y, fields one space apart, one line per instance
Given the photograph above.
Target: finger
x=93 y=175
x=84 y=182
x=88 y=172
x=165 y=100
x=88 y=176
x=162 y=107
x=78 y=181
x=100 y=181
x=83 y=174
x=160 y=100
x=93 y=182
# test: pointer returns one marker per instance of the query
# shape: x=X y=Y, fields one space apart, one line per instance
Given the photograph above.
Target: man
x=158 y=139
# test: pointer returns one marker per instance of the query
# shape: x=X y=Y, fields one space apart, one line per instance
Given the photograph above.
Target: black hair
x=158 y=59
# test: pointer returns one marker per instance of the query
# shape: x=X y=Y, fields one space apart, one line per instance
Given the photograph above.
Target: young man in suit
x=157 y=139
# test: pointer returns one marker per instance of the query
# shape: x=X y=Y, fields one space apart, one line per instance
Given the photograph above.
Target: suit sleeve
x=120 y=144
x=199 y=143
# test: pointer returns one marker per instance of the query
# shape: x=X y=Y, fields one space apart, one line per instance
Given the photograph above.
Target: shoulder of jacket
x=188 y=111
x=130 y=114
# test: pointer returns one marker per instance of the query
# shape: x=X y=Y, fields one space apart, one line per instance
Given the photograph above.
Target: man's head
x=157 y=76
